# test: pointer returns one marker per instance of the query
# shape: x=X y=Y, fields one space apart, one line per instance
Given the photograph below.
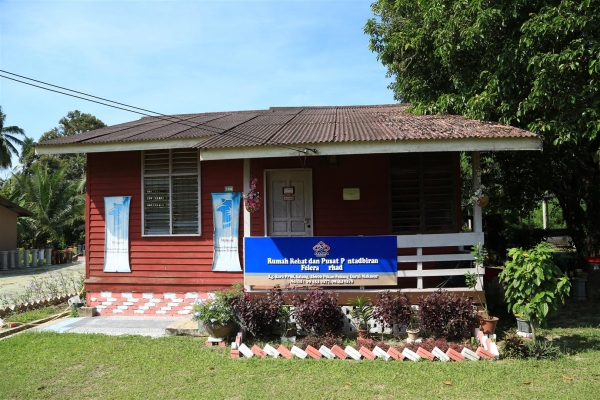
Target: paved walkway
x=145 y=326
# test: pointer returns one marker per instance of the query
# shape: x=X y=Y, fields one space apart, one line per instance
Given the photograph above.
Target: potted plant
x=487 y=322
x=361 y=313
x=533 y=283
x=216 y=314
x=479 y=197
x=287 y=327
x=414 y=329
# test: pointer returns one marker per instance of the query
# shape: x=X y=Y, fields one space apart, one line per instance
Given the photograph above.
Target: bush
x=513 y=347
x=445 y=315
x=542 y=350
x=318 y=313
x=258 y=314
x=392 y=309
x=317 y=341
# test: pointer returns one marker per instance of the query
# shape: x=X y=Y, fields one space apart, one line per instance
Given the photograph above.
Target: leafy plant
x=318 y=312
x=284 y=317
x=533 y=283
x=219 y=308
x=471 y=280
x=542 y=350
x=362 y=310
x=513 y=346
x=393 y=309
x=446 y=315
x=317 y=341
x=258 y=313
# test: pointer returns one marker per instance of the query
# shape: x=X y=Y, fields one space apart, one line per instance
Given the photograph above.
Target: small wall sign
x=351 y=193
x=289 y=198
x=228 y=189
x=289 y=190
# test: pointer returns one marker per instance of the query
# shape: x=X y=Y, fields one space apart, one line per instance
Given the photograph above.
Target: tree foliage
x=57 y=206
x=74 y=164
x=8 y=141
x=534 y=65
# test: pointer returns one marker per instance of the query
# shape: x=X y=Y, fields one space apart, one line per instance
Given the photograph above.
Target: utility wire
x=160 y=116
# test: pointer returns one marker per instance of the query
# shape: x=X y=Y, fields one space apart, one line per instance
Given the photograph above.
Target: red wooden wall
x=183 y=263
x=158 y=264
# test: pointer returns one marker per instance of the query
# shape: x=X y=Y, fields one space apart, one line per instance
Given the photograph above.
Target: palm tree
x=57 y=206
x=8 y=141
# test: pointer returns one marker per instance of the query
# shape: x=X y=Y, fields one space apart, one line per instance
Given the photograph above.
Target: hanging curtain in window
x=226 y=220
x=116 y=238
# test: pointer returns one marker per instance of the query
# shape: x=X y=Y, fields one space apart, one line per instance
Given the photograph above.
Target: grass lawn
x=60 y=366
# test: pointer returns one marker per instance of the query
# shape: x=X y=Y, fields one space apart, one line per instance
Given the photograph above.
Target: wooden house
x=322 y=172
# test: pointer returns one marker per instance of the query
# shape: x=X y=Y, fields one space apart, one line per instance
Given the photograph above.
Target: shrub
x=534 y=284
x=513 y=346
x=258 y=314
x=441 y=344
x=317 y=341
x=318 y=313
x=392 y=309
x=445 y=315
x=542 y=350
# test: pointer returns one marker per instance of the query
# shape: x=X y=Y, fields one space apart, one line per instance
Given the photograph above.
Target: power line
x=160 y=116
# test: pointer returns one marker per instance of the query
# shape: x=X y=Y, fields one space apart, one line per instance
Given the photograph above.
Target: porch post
x=477 y=219
x=246 y=189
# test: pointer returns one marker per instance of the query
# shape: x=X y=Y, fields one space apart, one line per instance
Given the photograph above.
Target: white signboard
x=116 y=239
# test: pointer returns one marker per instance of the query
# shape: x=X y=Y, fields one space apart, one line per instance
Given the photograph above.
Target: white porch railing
x=437 y=240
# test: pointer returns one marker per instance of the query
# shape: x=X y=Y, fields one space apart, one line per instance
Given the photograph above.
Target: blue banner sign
x=226 y=220
x=116 y=237
x=321 y=261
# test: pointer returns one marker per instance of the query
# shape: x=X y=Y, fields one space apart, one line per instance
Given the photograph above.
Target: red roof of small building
x=296 y=125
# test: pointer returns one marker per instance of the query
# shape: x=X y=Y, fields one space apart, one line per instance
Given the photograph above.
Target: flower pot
x=217 y=330
x=483 y=201
x=413 y=334
x=488 y=325
x=523 y=326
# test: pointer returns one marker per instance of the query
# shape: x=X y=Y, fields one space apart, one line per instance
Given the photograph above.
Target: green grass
x=58 y=366
x=34 y=315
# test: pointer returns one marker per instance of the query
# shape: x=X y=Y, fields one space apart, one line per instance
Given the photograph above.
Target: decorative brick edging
x=238 y=348
x=166 y=304
x=22 y=307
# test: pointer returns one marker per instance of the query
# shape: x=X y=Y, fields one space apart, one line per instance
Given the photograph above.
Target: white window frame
x=170 y=175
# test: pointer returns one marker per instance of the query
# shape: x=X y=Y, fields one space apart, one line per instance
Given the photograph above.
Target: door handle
x=307 y=222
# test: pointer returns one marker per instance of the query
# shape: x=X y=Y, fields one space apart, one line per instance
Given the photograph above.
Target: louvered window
x=422 y=188
x=171 y=192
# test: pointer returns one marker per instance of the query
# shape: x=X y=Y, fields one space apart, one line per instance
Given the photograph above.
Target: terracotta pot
x=217 y=330
x=413 y=334
x=483 y=201
x=290 y=332
x=488 y=325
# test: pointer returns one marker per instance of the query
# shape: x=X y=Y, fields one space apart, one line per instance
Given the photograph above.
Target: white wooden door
x=289 y=202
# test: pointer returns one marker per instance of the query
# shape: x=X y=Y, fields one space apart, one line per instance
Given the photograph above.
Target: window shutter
x=171 y=192
x=185 y=204
x=156 y=205
x=422 y=190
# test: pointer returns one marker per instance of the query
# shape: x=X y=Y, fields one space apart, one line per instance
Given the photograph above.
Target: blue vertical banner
x=116 y=238
x=226 y=220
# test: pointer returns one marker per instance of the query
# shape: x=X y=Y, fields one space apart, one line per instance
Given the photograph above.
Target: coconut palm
x=8 y=141
x=57 y=206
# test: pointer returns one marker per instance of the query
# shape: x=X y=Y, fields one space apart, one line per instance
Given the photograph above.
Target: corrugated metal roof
x=296 y=126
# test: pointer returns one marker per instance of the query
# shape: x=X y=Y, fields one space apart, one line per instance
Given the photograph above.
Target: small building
x=345 y=175
x=9 y=212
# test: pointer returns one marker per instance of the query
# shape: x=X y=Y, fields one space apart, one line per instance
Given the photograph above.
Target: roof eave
x=116 y=146
x=328 y=148
x=376 y=147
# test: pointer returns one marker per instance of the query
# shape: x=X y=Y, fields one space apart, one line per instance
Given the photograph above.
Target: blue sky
x=185 y=57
